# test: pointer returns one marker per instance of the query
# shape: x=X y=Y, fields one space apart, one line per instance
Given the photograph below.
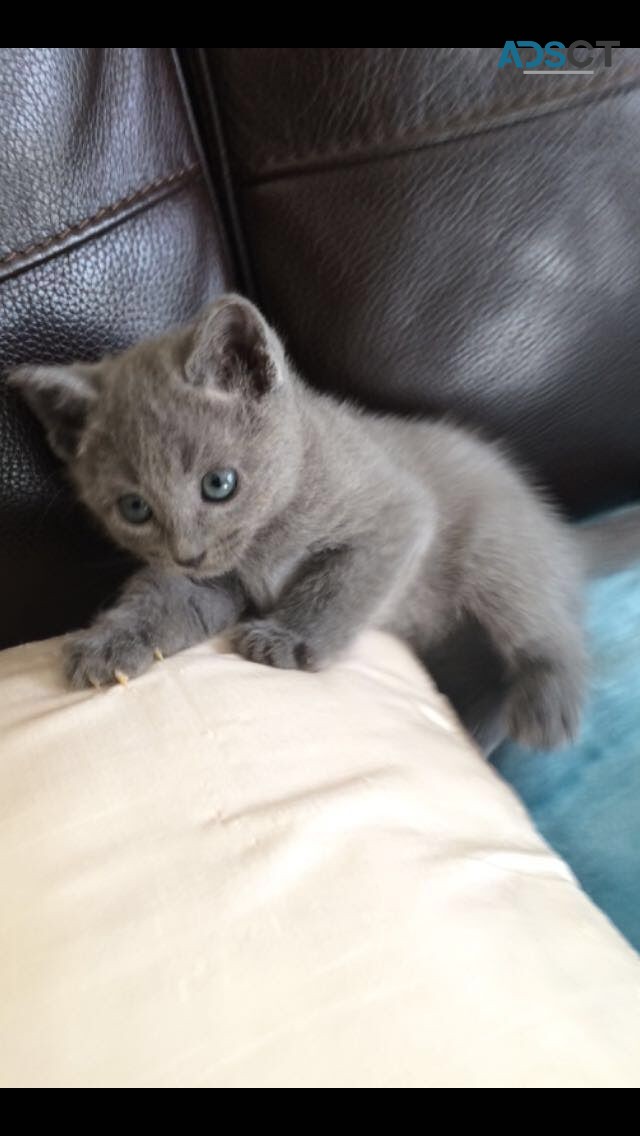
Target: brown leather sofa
x=429 y=233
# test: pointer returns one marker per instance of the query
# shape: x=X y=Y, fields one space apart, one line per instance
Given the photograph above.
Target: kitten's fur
x=341 y=519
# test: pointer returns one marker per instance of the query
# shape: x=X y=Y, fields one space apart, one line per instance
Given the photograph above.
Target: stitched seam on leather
x=199 y=142
x=218 y=157
x=103 y=214
x=459 y=126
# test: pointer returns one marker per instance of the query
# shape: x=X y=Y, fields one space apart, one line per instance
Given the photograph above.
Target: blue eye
x=134 y=509
x=219 y=484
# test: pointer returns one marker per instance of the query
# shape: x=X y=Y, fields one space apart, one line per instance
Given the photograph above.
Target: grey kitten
x=260 y=505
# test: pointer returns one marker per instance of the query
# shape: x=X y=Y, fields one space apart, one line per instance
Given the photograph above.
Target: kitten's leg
x=527 y=595
x=336 y=594
x=468 y=669
x=157 y=614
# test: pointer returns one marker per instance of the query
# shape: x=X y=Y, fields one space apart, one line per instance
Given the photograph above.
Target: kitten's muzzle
x=192 y=562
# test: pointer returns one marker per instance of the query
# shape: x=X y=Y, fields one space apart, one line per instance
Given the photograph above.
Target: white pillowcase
x=226 y=875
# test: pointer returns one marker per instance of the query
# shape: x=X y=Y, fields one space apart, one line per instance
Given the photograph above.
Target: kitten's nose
x=194 y=562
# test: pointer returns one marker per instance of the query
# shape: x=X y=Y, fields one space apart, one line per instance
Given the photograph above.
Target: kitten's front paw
x=102 y=655
x=264 y=641
x=543 y=710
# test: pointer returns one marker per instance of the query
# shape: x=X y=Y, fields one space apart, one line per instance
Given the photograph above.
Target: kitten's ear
x=60 y=397
x=235 y=349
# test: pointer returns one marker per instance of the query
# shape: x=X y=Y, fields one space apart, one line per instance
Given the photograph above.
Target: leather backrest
x=434 y=234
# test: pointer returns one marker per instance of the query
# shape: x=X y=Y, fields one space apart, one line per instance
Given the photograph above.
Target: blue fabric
x=586 y=800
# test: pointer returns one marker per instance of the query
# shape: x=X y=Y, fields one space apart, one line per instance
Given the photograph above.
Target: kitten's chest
x=265 y=575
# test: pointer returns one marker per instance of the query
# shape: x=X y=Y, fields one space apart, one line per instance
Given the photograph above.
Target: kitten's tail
x=611 y=543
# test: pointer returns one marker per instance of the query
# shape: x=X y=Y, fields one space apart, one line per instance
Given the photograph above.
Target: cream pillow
x=224 y=875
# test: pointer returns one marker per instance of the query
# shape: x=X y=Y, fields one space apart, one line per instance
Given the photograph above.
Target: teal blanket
x=586 y=800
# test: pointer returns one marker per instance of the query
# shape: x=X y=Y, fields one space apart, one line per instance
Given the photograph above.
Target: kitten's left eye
x=219 y=484
x=134 y=509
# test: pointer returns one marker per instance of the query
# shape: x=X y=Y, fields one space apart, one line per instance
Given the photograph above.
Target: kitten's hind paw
x=104 y=655
x=265 y=641
x=543 y=708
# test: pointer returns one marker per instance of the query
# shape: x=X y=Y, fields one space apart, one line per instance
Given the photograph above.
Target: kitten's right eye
x=134 y=509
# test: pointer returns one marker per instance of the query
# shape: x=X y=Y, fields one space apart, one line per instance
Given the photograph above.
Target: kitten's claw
x=102 y=655
x=265 y=641
x=158 y=656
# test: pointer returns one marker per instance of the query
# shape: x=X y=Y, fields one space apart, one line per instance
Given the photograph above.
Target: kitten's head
x=184 y=447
